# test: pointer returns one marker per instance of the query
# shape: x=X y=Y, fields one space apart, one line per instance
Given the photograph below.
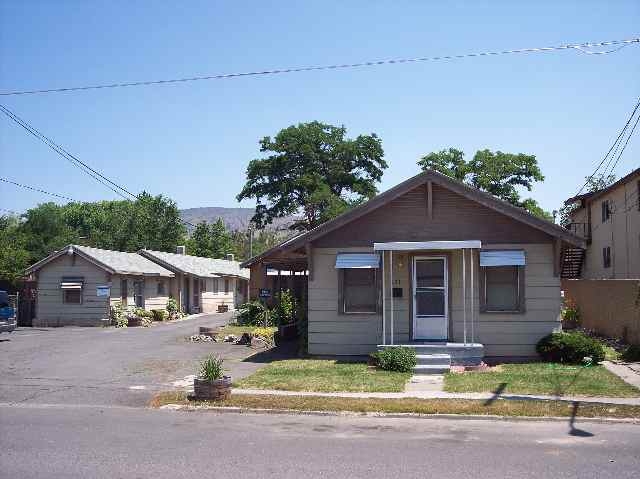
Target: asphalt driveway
x=108 y=366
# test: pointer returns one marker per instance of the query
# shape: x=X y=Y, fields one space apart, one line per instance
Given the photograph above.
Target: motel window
x=606 y=257
x=161 y=288
x=72 y=296
x=72 y=290
x=502 y=281
x=226 y=286
x=216 y=286
x=203 y=285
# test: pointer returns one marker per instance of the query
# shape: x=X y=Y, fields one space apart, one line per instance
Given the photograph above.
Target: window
x=226 y=286
x=124 y=287
x=72 y=296
x=358 y=290
x=203 y=285
x=138 y=294
x=216 y=286
x=606 y=257
x=196 y=292
x=161 y=288
x=606 y=210
x=502 y=289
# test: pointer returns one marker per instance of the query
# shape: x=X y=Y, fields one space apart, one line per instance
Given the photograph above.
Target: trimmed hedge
x=631 y=353
x=397 y=358
x=569 y=348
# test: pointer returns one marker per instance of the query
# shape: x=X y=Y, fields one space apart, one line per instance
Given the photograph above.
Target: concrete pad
x=628 y=372
x=420 y=383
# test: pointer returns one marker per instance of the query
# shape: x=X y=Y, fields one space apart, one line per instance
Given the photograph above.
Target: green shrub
x=118 y=316
x=172 y=309
x=159 y=314
x=285 y=310
x=631 y=353
x=254 y=313
x=397 y=358
x=211 y=368
x=570 y=348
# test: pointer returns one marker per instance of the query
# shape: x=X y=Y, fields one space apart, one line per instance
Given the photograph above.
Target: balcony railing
x=579 y=229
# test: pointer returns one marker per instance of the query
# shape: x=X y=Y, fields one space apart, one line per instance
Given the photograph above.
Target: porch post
x=384 y=304
x=473 y=335
x=464 y=295
x=391 y=281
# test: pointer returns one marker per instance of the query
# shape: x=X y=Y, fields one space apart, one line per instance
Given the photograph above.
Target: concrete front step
x=462 y=354
x=431 y=359
x=431 y=369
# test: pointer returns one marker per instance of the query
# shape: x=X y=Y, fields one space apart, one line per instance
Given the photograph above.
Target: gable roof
x=114 y=262
x=596 y=194
x=197 y=265
x=458 y=187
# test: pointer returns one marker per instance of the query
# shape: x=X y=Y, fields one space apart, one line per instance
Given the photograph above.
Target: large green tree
x=498 y=173
x=210 y=240
x=14 y=256
x=312 y=170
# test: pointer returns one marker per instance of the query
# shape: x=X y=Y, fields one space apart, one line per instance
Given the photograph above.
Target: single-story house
x=431 y=262
x=77 y=285
x=202 y=284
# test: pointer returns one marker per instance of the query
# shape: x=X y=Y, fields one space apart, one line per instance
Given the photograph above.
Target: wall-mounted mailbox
x=397 y=292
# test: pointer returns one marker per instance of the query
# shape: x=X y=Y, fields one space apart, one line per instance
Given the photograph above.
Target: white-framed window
x=138 y=293
x=502 y=287
x=358 y=290
x=216 y=286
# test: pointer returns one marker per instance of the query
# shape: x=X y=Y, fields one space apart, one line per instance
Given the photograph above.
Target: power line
x=624 y=147
x=6 y=180
x=55 y=147
x=62 y=152
x=581 y=47
x=73 y=159
x=10 y=211
x=590 y=177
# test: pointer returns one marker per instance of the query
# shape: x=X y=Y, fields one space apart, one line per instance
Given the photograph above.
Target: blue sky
x=192 y=141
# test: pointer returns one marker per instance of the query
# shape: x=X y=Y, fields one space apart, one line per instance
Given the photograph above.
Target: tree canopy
x=496 y=172
x=151 y=222
x=313 y=171
x=210 y=240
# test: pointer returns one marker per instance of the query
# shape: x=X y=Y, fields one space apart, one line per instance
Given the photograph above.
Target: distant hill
x=234 y=218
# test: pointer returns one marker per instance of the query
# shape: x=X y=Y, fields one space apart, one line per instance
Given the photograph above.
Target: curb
x=463 y=417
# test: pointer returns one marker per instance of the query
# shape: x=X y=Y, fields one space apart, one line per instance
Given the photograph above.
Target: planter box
x=132 y=322
x=288 y=331
x=216 y=390
x=223 y=308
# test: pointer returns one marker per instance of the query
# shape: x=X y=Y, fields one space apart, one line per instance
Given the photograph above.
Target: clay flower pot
x=212 y=389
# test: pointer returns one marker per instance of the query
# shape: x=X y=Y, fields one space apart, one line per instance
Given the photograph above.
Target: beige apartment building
x=609 y=219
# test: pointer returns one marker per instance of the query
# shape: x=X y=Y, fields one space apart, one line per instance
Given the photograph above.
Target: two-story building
x=609 y=219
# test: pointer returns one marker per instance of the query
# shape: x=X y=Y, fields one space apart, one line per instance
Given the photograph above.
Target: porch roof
x=426 y=245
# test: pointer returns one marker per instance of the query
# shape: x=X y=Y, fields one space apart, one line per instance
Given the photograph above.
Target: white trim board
x=426 y=245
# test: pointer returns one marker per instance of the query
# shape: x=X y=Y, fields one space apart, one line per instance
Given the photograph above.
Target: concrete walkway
x=628 y=372
x=446 y=395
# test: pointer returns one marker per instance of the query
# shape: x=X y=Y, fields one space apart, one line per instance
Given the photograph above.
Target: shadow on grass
x=560 y=389
x=496 y=394
x=573 y=430
x=284 y=350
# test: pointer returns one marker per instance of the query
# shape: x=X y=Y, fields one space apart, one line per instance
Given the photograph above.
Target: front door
x=430 y=302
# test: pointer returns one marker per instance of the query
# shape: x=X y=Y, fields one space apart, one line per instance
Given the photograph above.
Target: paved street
x=93 y=442
x=107 y=366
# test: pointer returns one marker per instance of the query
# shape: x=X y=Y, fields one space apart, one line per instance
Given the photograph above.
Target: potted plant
x=210 y=383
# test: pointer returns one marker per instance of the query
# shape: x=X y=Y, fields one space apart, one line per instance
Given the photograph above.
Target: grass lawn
x=408 y=405
x=321 y=375
x=542 y=378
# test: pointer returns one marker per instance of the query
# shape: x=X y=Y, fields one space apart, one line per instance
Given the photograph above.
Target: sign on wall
x=103 y=291
x=265 y=293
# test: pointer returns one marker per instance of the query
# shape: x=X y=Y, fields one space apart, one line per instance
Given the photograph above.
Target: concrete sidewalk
x=446 y=395
x=628 y=372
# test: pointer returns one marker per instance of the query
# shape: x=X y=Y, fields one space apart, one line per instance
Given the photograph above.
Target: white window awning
x=71 y=285
x=502 y=258
x=426 y=245
x=357 y=260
